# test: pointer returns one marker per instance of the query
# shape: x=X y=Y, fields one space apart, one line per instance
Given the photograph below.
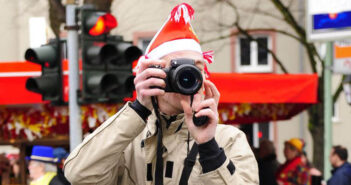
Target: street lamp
x=347 y=88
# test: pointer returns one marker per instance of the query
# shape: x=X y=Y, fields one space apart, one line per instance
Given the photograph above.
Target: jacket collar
x=170 y=125
x=174 y=131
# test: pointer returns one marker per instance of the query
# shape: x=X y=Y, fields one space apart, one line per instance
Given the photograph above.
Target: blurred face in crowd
x=169 y=103
x=290 y=152
x=333 y=158
x=36 y=169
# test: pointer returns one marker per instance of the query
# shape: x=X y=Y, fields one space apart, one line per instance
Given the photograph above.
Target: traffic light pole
x=75 y=126
x=328 y=129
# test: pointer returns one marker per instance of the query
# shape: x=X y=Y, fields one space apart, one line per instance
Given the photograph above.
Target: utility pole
x=75 y=126
x=327 y=109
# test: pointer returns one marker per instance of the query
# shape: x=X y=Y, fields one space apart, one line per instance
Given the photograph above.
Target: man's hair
x=341 y=152
x=267 y=146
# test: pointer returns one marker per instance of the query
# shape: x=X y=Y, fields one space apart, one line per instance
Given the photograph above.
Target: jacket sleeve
x=97 y=158
x=240 y=165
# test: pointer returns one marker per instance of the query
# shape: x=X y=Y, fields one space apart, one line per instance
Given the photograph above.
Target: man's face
x=36 y=169
x=169 y=103
x=333 y=158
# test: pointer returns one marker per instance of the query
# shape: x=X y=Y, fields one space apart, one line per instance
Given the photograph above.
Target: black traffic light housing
x=49 y=84
x=107 y=60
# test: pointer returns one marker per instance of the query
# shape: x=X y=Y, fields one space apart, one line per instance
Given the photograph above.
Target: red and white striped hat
x=176 y=34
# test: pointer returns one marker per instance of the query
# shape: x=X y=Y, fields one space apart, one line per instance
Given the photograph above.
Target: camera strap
x=190 y=160
x=189 y=163
x=159 y=159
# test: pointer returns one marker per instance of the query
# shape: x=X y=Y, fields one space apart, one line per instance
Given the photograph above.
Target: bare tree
x=283 y=12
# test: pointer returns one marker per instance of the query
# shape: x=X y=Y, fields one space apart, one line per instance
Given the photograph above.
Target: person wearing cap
x=294 y=171
x=341 y=173
x=154 y=140
x=42 y=167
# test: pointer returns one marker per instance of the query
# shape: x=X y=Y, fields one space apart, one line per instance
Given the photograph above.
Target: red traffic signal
x=96 y=23
x=103 y=25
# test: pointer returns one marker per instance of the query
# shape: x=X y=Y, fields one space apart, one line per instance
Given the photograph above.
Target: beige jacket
x=120 y=149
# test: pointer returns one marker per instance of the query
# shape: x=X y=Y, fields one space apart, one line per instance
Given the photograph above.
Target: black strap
x=159 y=159
x=189 y=163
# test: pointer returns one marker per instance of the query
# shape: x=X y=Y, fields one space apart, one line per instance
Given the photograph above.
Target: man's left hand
x=206 y=106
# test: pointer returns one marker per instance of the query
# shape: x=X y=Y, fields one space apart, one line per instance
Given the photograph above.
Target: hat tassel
x=183 y=12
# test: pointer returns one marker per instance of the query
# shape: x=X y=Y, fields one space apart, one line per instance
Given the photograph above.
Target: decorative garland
x=43 y=120
x=258 y=112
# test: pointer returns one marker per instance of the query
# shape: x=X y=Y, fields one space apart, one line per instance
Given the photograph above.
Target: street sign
x=328 y=20
x=342 y=57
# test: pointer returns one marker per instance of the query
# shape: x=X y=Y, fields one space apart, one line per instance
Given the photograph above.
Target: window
x=252 y=56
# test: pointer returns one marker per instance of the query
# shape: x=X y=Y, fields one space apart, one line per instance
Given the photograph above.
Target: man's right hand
x=146 y=78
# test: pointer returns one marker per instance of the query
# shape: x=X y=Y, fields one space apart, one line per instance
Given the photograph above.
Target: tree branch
x=289 y=18
x=338 y=90
x=57 y=15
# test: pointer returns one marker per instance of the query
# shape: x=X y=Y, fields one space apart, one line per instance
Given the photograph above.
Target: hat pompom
x=182 y=12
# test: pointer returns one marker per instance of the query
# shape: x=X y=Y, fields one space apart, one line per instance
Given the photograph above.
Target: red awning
x=248 y=98
x=266 y=88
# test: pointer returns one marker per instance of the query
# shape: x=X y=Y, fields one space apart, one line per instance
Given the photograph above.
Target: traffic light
x=49 y=84
x=119 y=56
x=107 y=60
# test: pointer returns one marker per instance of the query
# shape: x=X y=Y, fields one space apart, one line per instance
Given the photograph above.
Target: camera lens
x=187 y=79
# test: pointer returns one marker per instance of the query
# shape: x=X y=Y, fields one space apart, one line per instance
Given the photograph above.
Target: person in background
x=15 y=168
x=4 y=168
x=315 y=175
x=61 y=154
x=42 y=167
x=267 y=163
x=293 y=171
x=341 y=173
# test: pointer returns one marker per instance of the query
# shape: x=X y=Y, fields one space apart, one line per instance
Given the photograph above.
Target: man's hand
x=146 y=78
x=203 y=107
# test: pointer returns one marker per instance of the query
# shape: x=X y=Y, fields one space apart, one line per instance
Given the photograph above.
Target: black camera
x=183 y=77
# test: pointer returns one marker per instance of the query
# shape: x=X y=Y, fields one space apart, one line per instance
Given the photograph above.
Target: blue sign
x=332 y=20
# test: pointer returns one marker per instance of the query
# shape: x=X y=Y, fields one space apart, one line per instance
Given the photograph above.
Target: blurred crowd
x=297 y=169
x=44 y=166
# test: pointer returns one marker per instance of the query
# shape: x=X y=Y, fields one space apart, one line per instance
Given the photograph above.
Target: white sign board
x=342 y=57
x=328 y=19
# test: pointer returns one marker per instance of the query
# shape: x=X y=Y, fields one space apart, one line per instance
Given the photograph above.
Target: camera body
x=183 y=77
